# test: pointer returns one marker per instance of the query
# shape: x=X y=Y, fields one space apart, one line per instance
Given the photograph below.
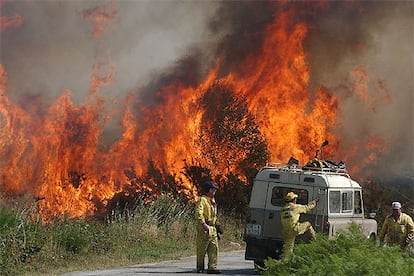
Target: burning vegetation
x=260 y=98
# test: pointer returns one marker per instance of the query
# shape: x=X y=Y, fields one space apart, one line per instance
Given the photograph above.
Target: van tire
x=259 y=265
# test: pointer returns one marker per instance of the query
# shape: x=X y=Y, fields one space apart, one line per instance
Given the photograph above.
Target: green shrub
x=8 y=219
x=73 y=236
x=349 y=254
x=20 y=239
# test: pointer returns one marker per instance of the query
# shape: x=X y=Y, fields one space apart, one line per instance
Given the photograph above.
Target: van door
x=254 y=225
x=274 y=202
x=367 y=226
x=320 y=210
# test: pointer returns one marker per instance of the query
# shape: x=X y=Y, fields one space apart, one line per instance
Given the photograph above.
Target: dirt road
x=230 y=263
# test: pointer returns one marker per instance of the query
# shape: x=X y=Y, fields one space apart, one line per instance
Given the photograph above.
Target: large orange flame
x=57 y=155
x=276 y=86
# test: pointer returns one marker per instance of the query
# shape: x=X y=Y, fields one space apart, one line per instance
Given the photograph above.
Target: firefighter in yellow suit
x=291 y=227
x=398 y=227
x=207 y=236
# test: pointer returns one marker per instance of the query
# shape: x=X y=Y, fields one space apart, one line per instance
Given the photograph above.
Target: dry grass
x=152 y=233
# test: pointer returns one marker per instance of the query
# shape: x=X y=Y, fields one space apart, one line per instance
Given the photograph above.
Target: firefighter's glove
x=219 y=231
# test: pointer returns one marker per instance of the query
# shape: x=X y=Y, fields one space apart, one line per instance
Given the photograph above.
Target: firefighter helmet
x=291 y=196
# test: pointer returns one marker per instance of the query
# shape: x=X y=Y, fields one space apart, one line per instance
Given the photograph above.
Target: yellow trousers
x=289 y=237
x=207 y=243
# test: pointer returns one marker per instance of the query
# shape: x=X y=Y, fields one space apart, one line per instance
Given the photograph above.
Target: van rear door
x=274 y=202
x=254 y=225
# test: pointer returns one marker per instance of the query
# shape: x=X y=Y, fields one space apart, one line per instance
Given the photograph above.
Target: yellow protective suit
x=207 y=242
x=291 y=227
x=399 y=232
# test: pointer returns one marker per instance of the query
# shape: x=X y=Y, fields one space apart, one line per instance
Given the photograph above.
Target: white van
x=340 y=204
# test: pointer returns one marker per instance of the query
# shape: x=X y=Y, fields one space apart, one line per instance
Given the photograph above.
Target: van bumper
x=259 y=249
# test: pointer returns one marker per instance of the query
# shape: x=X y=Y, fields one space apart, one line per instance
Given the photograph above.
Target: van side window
x=341 y=202
x=357 y=202
x=279 y=193
x=347 y=202
x=334 y=201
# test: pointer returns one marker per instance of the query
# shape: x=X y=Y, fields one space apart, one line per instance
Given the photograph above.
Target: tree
x=233 y=146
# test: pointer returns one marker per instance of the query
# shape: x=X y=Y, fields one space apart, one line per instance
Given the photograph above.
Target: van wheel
x=372 y=237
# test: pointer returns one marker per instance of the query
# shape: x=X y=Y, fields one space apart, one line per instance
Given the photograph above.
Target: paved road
x=230 y=263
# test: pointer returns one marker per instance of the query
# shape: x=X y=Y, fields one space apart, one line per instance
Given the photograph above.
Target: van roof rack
x=327 y=168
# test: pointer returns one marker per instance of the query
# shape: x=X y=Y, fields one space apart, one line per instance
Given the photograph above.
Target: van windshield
x=279 y=193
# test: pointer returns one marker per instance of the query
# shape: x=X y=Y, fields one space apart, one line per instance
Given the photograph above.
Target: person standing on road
x=398 y=228
x=207 y=228
x=291 y=227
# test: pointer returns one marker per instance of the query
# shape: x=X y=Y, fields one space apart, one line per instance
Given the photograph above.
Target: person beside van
x=291 y=227
x=207 y=229
x=398 y=227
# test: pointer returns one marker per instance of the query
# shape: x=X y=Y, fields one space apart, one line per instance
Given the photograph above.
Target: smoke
x=377 y=36
x=56 y=47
